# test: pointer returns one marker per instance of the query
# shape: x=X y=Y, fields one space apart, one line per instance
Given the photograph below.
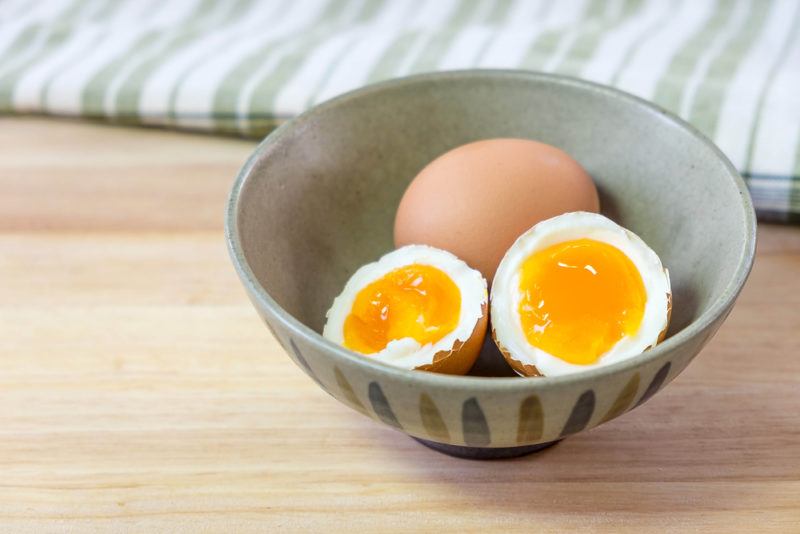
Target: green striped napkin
x=731 y=67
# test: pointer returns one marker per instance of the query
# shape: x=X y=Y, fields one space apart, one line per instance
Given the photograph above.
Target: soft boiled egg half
x=417 y=307
x=575 y=292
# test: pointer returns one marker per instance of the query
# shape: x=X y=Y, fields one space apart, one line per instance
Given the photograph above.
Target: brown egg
x=476 y=199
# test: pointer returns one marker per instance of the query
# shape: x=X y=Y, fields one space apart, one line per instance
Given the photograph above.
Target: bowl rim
x=437 y=380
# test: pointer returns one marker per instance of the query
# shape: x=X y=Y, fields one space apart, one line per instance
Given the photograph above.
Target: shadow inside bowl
x=490 y=361
x=687 y=300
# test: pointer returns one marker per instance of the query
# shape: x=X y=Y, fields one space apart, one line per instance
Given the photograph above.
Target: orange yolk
x=417 y=301
x=579 y=298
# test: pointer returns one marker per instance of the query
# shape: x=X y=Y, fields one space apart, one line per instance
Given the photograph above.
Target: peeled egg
x=575 y=292
x=476 y=199
x=417 y=307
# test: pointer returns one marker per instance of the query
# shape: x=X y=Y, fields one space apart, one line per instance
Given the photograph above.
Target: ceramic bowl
x=317 y=200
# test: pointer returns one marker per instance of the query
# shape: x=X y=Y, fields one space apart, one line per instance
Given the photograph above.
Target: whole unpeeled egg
x=475 y=200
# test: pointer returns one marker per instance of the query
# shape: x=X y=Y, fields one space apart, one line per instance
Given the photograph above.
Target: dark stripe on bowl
x=531 y=420
x=432 y=419
x=581 y=413
x=304 y=364
x=656 y=383
x=347 y=391
x=475 y=427
x=624 y=399
x=381 y=405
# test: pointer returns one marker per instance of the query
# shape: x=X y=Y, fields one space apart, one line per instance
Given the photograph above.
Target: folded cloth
x=730 y=67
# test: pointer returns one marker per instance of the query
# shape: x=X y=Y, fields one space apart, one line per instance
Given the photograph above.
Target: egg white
x=506 y=294
x=408 y=352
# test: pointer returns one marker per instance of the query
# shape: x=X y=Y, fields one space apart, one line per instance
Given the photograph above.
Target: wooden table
x=140 y=392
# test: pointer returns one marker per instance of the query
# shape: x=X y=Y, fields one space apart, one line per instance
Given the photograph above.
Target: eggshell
x=522 y=369
x=663 y=332
x=460 y=359
x=475 y=200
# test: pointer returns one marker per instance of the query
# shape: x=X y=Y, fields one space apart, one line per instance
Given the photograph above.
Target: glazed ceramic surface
x=317 y=200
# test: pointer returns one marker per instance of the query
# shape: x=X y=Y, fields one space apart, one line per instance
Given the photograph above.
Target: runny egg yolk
x=417 y=301
x=579 y=298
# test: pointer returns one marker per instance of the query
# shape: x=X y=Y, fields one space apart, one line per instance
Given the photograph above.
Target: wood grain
x=139 y=391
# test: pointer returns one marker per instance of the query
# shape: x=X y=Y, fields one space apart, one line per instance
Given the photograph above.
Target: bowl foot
x=485 y=453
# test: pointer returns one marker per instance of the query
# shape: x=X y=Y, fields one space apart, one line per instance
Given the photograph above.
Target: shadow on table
x=665 y=457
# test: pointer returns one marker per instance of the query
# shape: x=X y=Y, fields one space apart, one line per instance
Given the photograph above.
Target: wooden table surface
x=140 y=392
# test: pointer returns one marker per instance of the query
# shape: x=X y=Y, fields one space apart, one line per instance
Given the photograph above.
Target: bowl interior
x=320 y=198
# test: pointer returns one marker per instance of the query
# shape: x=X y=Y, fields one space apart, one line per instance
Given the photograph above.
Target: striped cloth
x=731 y=67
